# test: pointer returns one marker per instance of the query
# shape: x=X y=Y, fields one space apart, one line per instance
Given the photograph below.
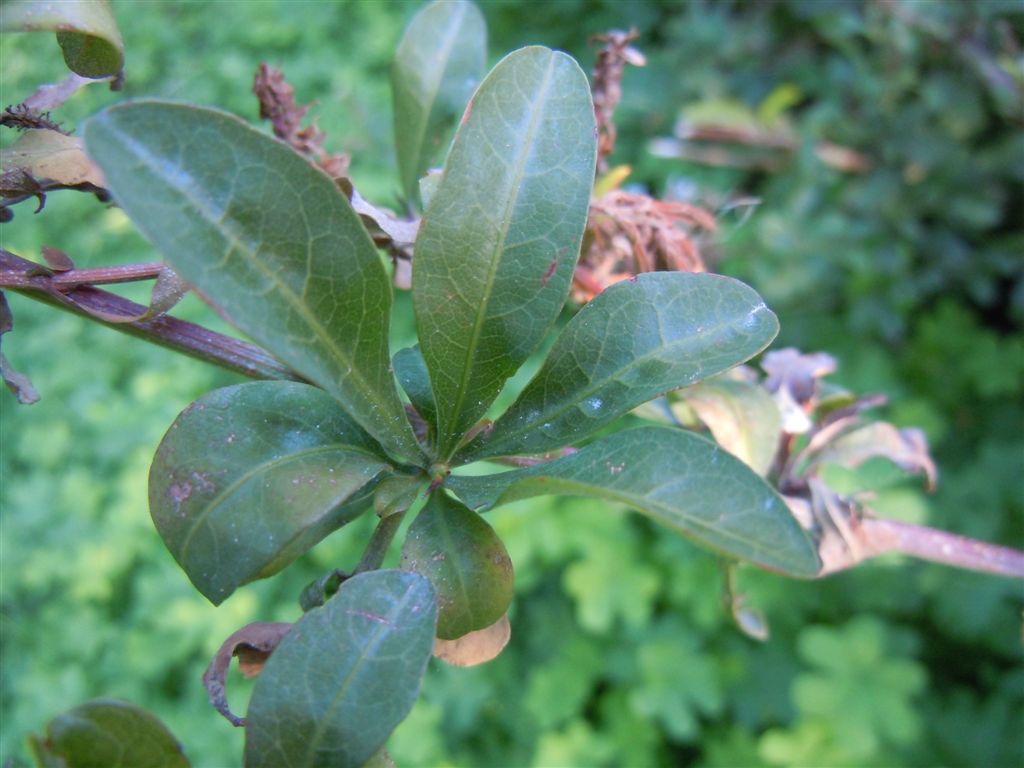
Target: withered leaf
x=252 y=644
x=57 y=260
x=47 y=154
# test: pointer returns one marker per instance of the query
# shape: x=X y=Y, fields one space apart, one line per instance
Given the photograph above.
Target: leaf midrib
x=244 y=251
x=540 y=105
x=581 y=395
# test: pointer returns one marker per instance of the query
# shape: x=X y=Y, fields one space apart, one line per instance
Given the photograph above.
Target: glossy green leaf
x=635 y=341
x=109 y=733
x=345 y=675
x=86 y=31
x=439 y=62
x=252 y=476
x=411 y=372
x=678 y=479
x=742 y=416
x=269 y=238
x=465 y=561
x=499 y=241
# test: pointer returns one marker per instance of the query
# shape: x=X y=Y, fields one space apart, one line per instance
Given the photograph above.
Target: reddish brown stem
x=36 y=282
x=126 y=273
x=882 y=536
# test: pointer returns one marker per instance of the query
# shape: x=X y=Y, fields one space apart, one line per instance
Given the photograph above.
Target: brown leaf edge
x=252 y=644
x=477 y=647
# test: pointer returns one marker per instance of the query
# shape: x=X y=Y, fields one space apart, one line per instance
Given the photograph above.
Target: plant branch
x=127 y=273
x=380 y=542
x=879 y=537
x=65 y=291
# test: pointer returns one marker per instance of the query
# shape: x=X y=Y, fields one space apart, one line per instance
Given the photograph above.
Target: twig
x=879 y=537
x=36 y=282
x=126 y=273
x=380 y=542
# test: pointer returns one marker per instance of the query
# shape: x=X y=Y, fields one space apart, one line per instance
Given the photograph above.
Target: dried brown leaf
x=48 y=154
x=253 y=645
x=56 y=259
x=49 y=97
x=630 y=233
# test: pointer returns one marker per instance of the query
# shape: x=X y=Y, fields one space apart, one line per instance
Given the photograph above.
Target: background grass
x=621 y=653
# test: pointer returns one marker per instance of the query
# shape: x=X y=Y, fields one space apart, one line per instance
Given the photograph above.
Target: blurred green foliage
x=622 y=654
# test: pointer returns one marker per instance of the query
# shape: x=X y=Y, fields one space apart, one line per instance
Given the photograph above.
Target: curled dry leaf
x=476 y=647
x=628 y=234
x=396 y=236
x=906 y=448
x=252 y=644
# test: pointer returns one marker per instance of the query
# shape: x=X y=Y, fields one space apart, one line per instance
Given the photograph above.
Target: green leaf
x=742 y=416
x=411 y=371
x=269 y=238
x=465 y=561
x=676 y=478
x=395 y=494
x=635 y=341
x=86 y=31
x=250 y=477
x=109 y=733
x=439 y=61
x=499 y=241
x=345 y=676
